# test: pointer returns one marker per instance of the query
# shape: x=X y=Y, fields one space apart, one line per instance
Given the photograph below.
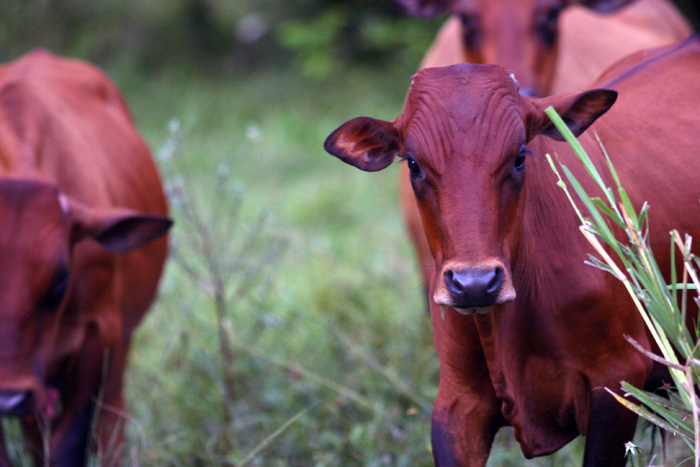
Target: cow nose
x=529 y=92
x=16 y=403
x=474 y=288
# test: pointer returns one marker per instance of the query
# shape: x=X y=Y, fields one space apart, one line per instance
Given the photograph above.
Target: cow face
x=521 y=35
x=464 y=134
x=39 y=228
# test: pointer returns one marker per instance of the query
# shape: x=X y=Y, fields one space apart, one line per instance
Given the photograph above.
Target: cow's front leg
x=610 y=427
x=463 y=429
x=71 y=434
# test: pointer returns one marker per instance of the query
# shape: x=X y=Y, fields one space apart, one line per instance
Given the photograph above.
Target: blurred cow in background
x=83 y=220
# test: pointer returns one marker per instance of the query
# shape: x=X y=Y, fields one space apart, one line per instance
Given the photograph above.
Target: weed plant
x=663 y=306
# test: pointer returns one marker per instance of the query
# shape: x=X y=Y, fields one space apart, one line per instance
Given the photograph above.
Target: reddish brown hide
x=531 y=335
x=553 y=46
x=82 y=248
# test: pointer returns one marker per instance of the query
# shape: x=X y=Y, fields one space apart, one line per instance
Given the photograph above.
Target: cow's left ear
x=578 y=111
x=601 y=6
x=118 y=230
x=367 y=143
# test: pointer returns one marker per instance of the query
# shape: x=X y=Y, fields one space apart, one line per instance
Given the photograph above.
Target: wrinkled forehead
x=461 y=96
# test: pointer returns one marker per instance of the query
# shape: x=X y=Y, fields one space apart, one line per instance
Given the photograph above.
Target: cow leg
x=463 y=429
x=71 y=434
x=70 y=449
x=610 y=427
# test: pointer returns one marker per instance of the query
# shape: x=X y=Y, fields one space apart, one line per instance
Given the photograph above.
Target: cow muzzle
x=474 y=290
x=16 y=403
x=41 y=401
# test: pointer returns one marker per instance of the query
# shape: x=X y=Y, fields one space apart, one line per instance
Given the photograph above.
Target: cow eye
x=519 y=164
x=413 y=166
x=547 y=26
x=57 y=290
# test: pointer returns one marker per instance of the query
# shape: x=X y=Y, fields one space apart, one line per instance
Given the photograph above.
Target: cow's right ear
x=367 y=143
x=425 y=8
x=117 y=230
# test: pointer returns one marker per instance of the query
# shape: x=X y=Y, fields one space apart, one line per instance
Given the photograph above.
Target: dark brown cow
x=553 y=46
x=530 y=334
x=80 y=205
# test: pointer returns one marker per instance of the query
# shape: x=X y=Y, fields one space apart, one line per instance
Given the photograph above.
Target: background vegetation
x=290 y=330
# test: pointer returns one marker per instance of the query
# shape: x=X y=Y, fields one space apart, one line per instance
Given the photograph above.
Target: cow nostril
x=16 y=403
x=494 y=285
x=456 y=282
x=529 y=92
x=450 y=278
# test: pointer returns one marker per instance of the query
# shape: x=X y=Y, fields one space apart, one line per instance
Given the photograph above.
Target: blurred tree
x=242 y=35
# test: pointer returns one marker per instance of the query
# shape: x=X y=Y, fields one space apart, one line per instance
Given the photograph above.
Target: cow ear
x=578 y=111
x=115 y=229
x=425 y=8
x=601 y=6
x=367 y=143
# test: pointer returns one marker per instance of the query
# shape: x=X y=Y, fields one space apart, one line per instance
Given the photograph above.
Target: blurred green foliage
x=318 y=37
x=239 y=36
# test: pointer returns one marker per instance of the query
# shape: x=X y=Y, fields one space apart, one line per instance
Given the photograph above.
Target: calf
x=82 y=247
x=526 y=333
x=553 y=46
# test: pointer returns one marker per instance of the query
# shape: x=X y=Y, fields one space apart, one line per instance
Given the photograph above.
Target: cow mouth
x=52 y=406
x=474 y=311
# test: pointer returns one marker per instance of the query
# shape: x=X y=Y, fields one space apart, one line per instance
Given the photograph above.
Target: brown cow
x=81 y=203
x=523 y=36
x=526 y=333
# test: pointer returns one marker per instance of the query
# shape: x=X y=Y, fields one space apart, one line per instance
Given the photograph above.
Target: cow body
x=82 y=208
x=526 y=333
x=582 y=40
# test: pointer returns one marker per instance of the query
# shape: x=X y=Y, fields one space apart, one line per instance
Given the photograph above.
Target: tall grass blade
x=657 y=302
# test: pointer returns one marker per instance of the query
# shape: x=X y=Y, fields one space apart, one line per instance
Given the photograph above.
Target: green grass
x=333 y=351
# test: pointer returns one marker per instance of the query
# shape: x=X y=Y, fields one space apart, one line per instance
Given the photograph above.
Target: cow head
x=521 y=35
x=464 y=134
x=39 y=228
